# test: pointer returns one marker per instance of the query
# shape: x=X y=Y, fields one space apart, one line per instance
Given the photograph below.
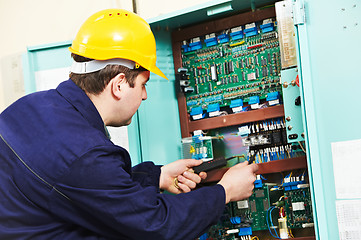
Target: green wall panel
x=158 y=116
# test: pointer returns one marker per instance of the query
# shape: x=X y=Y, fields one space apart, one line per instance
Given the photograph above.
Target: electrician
x=62 y=178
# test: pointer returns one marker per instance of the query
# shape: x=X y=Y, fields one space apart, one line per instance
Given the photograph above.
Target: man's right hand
x=238 y=181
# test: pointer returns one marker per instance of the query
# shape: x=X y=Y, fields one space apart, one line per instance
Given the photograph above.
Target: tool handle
x=210 y=165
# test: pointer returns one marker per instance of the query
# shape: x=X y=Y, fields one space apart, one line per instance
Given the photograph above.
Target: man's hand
x=178 y=176
x=238 y=181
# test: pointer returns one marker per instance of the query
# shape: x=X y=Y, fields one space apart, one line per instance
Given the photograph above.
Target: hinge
x=299 y=16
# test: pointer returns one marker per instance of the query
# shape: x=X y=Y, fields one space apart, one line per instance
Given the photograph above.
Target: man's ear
x=116 y=85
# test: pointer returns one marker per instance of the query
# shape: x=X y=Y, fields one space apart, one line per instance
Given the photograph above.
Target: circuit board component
x=237 y=63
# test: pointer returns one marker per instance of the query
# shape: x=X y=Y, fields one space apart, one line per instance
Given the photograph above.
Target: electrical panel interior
x=230 y=100
x=227 y=68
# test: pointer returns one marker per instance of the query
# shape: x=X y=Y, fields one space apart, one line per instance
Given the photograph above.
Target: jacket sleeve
x=146 y=174
x=98 y=194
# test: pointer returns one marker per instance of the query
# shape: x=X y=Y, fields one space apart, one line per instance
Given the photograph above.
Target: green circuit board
x=258 y=205
x=298 y=207
x=233 y=69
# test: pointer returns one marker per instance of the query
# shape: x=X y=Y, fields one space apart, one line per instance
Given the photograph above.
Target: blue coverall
x=62 y=178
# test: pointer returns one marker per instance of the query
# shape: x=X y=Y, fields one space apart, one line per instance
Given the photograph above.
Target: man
x=62 y=178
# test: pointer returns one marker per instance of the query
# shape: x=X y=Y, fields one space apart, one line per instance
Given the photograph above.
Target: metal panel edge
x=312 y=140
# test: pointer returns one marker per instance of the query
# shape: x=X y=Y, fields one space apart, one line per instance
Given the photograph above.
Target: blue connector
x=236 y=35
x=251 y=31
x=223 y=38
x=268 y=27
x=273 y=96
x=211 y=42
x=196 y=111
x=292 y=185
x=253 y=100
x=195 y=46
x=236 y=103
x=213 y=107
x=186 y=48
x=245 y=231
x=258 y=183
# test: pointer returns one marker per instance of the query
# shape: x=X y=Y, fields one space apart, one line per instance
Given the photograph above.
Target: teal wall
x=159 y=125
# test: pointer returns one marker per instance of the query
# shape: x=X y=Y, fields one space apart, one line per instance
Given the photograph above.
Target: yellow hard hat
x=117 y=33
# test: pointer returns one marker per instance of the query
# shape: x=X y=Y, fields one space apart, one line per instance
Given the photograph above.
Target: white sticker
x=237 y=109
x=212 y=35
x=198 y=116
x=236 y=29
x=214 y=114
x=348 y=217
x=255 y=106
x=269 y=20
x=274 y=102
x=298 y=206
x=242 y=204
x=197 y=39
x=250 y=25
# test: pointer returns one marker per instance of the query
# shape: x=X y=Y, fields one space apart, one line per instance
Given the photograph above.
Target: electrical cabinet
x=316 y=89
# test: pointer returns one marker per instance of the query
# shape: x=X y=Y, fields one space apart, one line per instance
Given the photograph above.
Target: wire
x=254 y=238
x=270 y=215
x=268 y=224
x=290 y=233
x=302 y=147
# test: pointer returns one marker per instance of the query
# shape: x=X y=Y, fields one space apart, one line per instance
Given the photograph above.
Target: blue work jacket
x=62 y=178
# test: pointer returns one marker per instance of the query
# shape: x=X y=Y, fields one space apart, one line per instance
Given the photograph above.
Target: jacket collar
x=77 y=97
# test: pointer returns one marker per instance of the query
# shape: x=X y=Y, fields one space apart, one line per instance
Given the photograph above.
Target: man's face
x=133 y=97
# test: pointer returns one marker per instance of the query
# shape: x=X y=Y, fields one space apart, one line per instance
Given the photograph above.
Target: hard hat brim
x=157 y=71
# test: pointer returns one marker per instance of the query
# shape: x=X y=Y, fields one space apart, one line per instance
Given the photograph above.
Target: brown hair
x=96 y=82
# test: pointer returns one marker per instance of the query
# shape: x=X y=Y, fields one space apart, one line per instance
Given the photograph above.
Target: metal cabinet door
x=329 y=51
